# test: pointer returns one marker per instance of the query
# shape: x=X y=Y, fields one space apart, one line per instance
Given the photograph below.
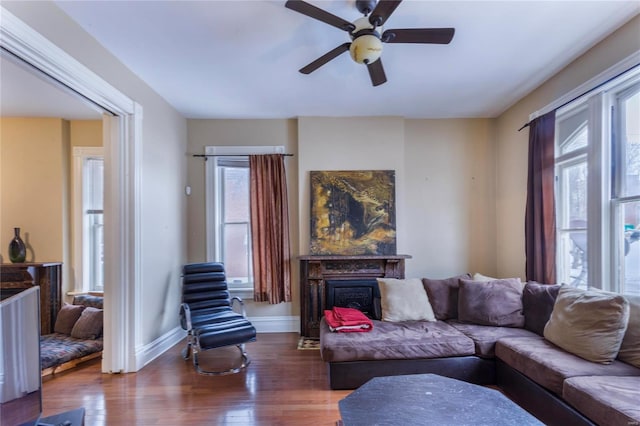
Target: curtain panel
x=540 y=219
x=270 y=229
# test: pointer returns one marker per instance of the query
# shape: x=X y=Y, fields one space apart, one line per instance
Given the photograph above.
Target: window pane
x=572 y=131
x=572 y=229
x=96 y=248
x=94 y=182
x=631 y=252
x=574 y=182
x=93 y=240
x=236 y=194
x=236 y=252
x=572 y=254
x=630 y=138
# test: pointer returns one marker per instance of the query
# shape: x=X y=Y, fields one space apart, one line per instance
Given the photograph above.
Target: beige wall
x=34 y=186
x=450 y=185
x=445 y=184
x=86 y=133
x=203 y=133
x=511 y=159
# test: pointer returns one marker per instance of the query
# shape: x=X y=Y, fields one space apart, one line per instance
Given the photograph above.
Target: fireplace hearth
x=353 y=277
x=360 y=294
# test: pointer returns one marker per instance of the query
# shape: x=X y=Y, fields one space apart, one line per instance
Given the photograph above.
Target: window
x=228 y=214
x=626 y=188
x=598 y=188
x=88 y=219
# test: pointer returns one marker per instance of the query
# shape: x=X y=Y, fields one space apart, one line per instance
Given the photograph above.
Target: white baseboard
x=150 y=351
x=281 y=324
x=276 y=324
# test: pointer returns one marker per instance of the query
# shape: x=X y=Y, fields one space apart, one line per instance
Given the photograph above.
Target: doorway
x=122 y=141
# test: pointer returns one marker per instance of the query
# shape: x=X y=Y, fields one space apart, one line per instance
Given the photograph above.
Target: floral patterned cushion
x=56 y=349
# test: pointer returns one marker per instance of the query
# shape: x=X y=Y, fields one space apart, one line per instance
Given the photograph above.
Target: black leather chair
x=208 y=316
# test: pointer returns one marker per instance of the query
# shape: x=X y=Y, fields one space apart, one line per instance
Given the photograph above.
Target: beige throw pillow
x=630 y=348
x=404 y=300
x=588 y=323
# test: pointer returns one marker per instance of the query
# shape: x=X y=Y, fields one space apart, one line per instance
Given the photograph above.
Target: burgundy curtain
x=270 y=229
x=540 y=218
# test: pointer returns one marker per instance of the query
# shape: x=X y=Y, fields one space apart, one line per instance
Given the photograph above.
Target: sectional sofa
x=568 y=356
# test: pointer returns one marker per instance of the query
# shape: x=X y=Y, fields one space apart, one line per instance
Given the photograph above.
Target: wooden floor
x=282 y=386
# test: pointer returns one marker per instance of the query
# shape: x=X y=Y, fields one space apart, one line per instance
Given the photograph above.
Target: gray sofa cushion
x=497 y=302
x=485 y=336
x=548 y=365
x=443 y=296
x=398 y=340
x=606 y=400
x=537 y=302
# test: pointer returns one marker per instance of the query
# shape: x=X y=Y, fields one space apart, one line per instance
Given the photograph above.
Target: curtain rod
x=234 y=155
x=586 y=92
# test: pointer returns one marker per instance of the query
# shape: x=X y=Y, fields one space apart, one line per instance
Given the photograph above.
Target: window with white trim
x=598 y=187
x=88 y=219
x=227 y=211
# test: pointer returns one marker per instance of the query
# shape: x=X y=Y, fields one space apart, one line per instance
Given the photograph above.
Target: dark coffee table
x=429 y=399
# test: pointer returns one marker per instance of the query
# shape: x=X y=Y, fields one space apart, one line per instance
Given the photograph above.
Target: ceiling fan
x=367 y=35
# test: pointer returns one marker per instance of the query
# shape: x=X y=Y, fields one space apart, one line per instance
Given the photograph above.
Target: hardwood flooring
x=282 y=386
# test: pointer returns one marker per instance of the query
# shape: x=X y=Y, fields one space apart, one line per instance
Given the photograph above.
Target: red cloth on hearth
x=347 y=320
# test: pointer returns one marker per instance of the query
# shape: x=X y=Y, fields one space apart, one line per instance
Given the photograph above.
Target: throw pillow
x=443 y=296
x=67 y=317
x=404 y=300
x=588 y=323
x=630 y=347
x=497 y=302
x=537 y=302
x=89 y=325
x=479 y=277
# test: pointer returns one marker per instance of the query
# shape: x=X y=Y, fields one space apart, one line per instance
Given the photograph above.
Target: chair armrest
x=185 y=311
x=241 y=302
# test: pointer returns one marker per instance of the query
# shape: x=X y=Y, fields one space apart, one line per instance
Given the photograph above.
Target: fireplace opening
x=362 y=294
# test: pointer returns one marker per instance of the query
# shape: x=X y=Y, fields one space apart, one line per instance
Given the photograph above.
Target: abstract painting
x=353 y=212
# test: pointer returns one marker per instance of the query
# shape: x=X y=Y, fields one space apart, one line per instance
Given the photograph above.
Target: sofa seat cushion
x=57 y=348
x=549 y=366
x=398 y=340
x=605 y=399
x=485 y=336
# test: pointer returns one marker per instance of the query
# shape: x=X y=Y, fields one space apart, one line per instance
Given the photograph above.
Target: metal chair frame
x=193 y=344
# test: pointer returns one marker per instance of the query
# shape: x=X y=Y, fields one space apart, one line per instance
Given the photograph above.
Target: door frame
x=122 y=133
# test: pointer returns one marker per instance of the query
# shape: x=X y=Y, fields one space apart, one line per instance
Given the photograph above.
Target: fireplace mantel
x=314 y=270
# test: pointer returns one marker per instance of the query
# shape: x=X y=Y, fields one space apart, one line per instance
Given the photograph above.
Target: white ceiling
x=239 y=59
x=25 y=92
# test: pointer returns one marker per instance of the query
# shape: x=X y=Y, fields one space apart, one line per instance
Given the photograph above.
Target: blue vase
x=17 y=249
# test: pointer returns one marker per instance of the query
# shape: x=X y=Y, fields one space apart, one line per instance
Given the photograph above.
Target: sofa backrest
x=537 y=303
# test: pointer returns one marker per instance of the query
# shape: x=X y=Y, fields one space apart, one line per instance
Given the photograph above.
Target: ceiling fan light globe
x=366 y=49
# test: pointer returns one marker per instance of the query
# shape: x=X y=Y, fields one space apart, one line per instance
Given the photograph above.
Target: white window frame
x=80 y=155
x=618 y=200
x=604 y=272
x=213 y=201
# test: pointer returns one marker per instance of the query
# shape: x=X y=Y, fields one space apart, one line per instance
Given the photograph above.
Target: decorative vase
x=17 y=249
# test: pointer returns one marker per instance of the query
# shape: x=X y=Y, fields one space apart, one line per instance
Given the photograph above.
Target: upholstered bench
x=77 y=335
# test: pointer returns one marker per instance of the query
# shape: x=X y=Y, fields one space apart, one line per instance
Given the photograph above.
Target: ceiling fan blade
x=382 y=11
x=332 y=54
x=319 y=14
x=419 y=35
x=376 y=72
